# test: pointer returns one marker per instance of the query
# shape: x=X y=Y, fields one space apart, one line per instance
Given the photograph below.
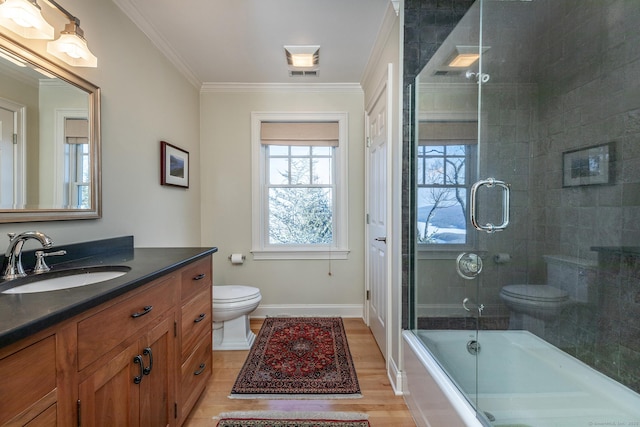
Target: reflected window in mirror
x=77 y=178
x=444 y=173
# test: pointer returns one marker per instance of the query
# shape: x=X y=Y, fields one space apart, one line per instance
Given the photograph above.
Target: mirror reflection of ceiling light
x=465 y=56
x=307 y=57
x=24 y=18
x=463 y=60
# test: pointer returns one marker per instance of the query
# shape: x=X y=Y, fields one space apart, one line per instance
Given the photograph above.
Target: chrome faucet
x=12 y=266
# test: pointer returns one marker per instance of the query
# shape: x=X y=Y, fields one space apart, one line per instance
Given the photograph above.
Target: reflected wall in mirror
x=49 y=140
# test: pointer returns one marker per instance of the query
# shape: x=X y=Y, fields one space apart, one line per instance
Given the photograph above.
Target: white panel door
x=377 y=197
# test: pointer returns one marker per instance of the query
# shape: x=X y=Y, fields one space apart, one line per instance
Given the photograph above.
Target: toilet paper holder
x=236 y=258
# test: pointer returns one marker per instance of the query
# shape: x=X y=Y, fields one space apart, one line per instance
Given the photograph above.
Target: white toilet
x=232 y=305
x=533 y=305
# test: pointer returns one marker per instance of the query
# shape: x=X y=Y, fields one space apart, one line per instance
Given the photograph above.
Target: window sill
x=299 y=254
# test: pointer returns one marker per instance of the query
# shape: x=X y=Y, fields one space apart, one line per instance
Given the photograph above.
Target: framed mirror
x=49 y=140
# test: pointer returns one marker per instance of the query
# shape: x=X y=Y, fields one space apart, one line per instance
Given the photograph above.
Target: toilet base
x=234 y=334
x=521 y=321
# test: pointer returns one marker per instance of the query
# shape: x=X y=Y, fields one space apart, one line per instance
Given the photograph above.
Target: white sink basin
x=67 y=279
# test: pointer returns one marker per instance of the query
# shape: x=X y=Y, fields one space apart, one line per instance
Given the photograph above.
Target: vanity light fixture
x=71 y=47
x=307 y=57
x=24 y=18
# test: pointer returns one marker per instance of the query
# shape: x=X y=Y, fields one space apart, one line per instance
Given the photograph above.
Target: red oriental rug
x=293 y=419
x=298 y=357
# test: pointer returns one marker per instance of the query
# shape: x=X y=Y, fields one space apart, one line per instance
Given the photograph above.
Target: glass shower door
x=448 y=276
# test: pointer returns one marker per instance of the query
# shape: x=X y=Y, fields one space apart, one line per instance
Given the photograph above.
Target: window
x=77 y=176
x=445 y=169
x=299 y=185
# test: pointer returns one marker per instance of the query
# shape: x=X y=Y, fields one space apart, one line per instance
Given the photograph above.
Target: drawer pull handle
x=201 y=369
x=138 y=360
x=200 y=276
x=200 y=318
x=146 y=310
x=147 y=352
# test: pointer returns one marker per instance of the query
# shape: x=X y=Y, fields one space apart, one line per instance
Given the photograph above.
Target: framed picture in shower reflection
x=588 y=166
x=174 y=165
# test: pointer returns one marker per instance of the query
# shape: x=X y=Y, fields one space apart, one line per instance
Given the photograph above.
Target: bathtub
x=522 y=381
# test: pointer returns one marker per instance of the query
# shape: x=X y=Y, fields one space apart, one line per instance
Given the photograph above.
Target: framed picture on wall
x=174 y=165
x=588 y=166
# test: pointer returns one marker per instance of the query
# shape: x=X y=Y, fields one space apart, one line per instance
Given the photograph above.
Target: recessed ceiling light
x=306 y=57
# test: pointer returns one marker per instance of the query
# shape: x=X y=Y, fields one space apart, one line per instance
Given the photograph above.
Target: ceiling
x=242 y=41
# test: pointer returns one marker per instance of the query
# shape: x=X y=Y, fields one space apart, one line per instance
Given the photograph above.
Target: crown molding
x=158 y=40
x=390 y=18
x=282 y=87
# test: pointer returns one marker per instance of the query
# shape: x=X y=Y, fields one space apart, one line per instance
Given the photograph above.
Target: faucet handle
x=11 y=235
x=41 y=266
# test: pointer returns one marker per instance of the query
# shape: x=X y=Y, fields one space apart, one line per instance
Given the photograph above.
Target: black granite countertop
x=22 y=315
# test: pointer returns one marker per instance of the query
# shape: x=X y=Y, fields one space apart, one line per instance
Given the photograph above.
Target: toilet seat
x=229 y=294
x=535 y=293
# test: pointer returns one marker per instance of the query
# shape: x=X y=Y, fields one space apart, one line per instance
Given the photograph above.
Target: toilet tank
x=574 y=275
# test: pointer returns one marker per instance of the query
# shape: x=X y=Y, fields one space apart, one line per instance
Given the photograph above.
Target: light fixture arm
x=72 y=18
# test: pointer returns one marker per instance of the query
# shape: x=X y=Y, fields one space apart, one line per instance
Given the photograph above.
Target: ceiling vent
x=302 y=73
x=446 y=73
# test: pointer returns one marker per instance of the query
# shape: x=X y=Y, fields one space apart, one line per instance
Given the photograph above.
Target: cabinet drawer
x=31 y=370
x=196 y=318
x=195 y=373
x=195 y=278
x=104 y=330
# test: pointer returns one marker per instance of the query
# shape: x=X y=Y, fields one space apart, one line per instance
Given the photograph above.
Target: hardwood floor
x=379 y=402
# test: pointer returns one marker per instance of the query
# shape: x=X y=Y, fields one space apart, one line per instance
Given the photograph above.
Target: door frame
x=385 y=86
x=19 y=167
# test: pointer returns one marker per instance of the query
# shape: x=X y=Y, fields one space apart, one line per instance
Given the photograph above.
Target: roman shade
x=299 y=133
x=447 y=133
x=76 y=131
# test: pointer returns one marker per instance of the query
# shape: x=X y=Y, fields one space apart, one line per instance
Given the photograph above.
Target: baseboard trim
x=395 y=377
x=308 y=310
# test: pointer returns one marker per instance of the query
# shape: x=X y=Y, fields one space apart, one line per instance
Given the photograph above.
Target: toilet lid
x=234 y=293
x=535 y=292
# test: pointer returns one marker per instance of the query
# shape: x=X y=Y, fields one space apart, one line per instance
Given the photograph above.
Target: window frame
x=260 y=248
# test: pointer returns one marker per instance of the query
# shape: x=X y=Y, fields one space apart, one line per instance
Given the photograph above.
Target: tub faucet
x=12 y=266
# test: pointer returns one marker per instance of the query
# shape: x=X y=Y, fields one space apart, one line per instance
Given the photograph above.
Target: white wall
x=226 y=199
x=144 y=100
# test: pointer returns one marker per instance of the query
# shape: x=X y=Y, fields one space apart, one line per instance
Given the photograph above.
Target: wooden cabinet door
x=110 y=397
x=157 y=388
x=136 y=387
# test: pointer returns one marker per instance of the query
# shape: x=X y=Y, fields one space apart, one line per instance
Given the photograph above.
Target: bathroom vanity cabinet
x=141 y=358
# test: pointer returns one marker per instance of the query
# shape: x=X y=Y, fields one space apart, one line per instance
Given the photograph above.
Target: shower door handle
x=490 y=183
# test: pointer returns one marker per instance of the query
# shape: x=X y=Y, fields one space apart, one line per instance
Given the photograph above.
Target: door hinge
x=15 y=139
x=368 y=141
x=368 y=294
x=175 y=410
x=175 y=329
x=367 y=219
x=78 y=406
